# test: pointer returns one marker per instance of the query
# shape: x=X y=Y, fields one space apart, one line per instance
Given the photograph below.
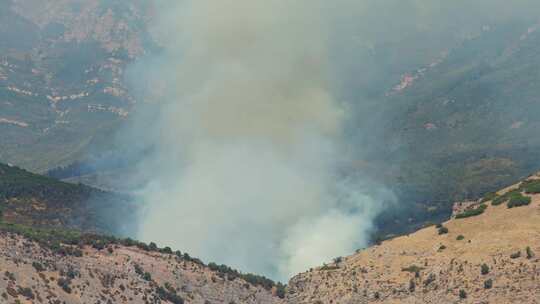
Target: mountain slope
x=32 y=273
x=442 y=264
x=35 y=200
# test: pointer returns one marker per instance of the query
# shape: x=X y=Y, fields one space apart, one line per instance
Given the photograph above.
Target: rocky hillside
x=63 y=83
x=489 y=252
x=111 y=272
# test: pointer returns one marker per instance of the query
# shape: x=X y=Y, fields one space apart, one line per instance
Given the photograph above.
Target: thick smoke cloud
x=255 y=101
x=247 y=143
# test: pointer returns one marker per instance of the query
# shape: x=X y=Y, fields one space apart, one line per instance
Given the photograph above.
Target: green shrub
x=460 y=237
x=472 y=212
x=488 y=284
x=531 y=187
x=518 y=201
x=412 y=269
x=506 y=197
x=412 y=285
x=484 y=269
x=462 y=294
x=489 y=197
x=530 y=253
x=147 y=276
x=515 y=255
x=443 y=230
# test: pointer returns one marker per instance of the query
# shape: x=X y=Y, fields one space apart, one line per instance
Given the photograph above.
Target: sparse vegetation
x=518 y=201
x=462 y=294
x=460 y=237
x=412 y=269
x=489 y=197
x=530 y=253
x=443 y=230
x=472 y=212
x=531 y=186
x=505 y=197
x=488 y=284
x=484 y=269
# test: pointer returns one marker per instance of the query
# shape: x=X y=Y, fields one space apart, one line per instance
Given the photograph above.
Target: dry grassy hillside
x=492 y=257
x=116 y=274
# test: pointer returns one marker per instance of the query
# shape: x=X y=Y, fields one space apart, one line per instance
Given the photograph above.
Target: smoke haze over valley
x=273 y=135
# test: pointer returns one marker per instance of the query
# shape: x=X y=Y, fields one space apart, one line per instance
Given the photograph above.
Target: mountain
x=486 y=253
x=63 y=83
x=462 y=125
x=94 y=269
x=38 y=201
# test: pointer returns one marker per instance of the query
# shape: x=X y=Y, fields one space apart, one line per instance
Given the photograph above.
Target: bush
x=530 y=253
x=472 y=212
x=460 y=237
x=515 y=255
x=518 y=201
x=531 y=187
x=64 y=284
x=412 y=269
x=506 y=197
x=488 y=284
x=443 y=230
x=462 y=294
x=412 y=285
x=169 y=294
x=147 y=276
x=38 y=266
x=484 y=269
x=26 y=292
x=489 y=197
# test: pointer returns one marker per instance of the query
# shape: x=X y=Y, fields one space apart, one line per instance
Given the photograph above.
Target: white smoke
x=248 y=142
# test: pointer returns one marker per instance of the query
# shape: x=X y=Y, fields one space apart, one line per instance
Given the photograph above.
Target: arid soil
x=428 y=267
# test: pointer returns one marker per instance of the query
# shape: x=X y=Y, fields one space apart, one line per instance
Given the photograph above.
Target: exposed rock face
x=428 y=267
x=32 y=274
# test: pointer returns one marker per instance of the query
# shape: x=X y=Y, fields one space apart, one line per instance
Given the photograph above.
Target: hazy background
x=274 y=135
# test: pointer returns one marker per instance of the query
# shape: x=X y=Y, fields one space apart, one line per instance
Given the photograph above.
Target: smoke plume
x=247 y=142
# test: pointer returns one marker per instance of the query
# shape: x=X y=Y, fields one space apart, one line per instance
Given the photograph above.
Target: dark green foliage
x=515 y=255
x=64 y=284
x=430 y=279
x=443 y=247
x=138 y=269
x=488 y=284
x=530 y=186
x=412 y=269
x=147 y=276
x=507 y=197
x=26 y=292
x=484 y=269
x=169 y=294
x=460 y=237
x=38 y=266
x=518 y=201
x=412 y=285
x=472 y=212
x=257 y=280
x=530 y=253
x=166 y=250
x=462 y=294
x=443 y=230
x=489 y=197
